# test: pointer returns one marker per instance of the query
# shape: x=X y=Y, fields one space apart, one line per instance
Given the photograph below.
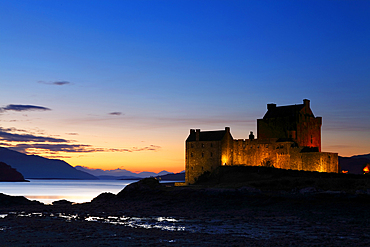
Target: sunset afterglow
x=121 y=85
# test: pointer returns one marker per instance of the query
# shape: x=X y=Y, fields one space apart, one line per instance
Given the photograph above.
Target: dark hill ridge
x=354 y=164
x=9 y=174
x=172 y=177
x=33 y=166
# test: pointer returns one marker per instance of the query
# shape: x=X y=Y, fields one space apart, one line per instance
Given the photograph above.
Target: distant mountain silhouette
x=33 y=166
x=9 y=174
x=354 y=164
x=104 y=177
x=173 y=177
x=119 y=173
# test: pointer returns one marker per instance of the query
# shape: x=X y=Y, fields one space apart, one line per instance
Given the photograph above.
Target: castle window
x=191 y=154
x=211 y=145
x=203 y=154
x=212 y=155
x=202 y=168
x=202 y=145
x=191 y=145
x=243 y=145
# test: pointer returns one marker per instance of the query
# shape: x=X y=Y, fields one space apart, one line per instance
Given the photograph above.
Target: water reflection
x=163 y=223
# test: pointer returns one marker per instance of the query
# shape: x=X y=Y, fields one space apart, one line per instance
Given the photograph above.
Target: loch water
x=47 y=191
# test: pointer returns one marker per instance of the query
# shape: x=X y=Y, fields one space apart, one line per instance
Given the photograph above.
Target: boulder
x=144 y=186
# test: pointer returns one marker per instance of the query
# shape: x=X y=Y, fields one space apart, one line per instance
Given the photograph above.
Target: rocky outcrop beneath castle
x=274 y=179
x=9 y=174
x=233 y=188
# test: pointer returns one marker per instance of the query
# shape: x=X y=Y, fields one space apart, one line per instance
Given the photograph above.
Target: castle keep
x=289 y=137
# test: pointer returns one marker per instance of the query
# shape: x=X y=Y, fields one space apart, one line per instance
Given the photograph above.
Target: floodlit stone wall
x=201 y=157
x=289 y=137
x=206 y=156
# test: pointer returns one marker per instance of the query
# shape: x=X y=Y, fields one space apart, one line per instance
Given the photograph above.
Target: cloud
x=23 y=108
x=53 y=148
x=44 y=145
x=11 y=137
x=72 y=134
x=116 y=113
x=58 y=83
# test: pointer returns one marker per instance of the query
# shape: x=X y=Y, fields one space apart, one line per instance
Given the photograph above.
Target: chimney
x=197 y=134
x=227 y=129
x=306 y=102
x=192 y=131
x=251 y=136
x=271 y=106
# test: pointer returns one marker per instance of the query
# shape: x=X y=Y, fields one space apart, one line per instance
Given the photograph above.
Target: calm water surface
x=47 y=191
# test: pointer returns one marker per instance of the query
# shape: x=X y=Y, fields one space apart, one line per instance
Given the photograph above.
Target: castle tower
x=292 y=122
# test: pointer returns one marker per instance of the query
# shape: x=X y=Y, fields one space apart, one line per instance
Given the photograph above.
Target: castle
x=289 y=137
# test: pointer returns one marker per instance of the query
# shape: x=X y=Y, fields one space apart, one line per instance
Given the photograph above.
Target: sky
x=119 y=84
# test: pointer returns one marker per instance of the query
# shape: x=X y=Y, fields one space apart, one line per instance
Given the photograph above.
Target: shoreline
x=222 y=215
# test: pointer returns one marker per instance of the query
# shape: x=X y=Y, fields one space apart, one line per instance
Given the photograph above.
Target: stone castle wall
x=203 y=156
x=284 y=155
x=288 y=137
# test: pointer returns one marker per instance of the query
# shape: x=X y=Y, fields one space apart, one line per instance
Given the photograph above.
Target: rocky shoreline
x=149 y=213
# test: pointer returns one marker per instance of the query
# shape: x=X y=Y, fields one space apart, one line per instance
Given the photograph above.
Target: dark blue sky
x=168 y=66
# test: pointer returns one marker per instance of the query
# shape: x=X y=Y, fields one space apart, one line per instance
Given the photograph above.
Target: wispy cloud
x=72 y=134
x=57 y=83
x=5 y=135
x=53 y=148
x=34 y=144
x=116 y=113
x=12 y=107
